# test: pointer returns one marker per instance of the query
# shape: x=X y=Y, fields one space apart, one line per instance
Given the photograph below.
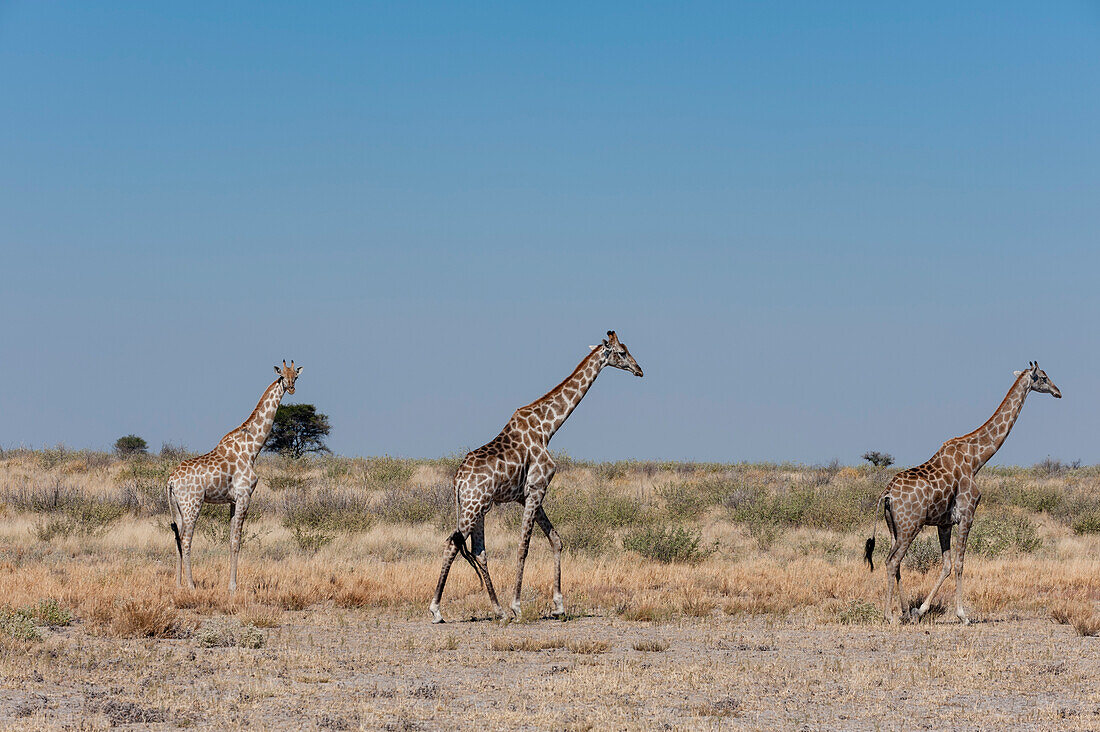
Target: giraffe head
x=616 y=355
x=288 y=375
x=1039 y=380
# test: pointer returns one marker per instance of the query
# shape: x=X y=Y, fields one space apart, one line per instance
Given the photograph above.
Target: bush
x=417 y=504
x=924 y=554
x=326 y=511
x=18 y=625
x=1003 y=532
x=1049 y=467
x=388 y=472
x=1088 y=523
x=83 y=518
x=131 y=445
x=214 y=524
x=587 y=520
x=50 y=612
x=675 y=544
x=173 y=453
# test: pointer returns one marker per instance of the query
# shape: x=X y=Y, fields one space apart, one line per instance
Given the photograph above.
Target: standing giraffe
x=516 y=466
x=942 y=492
x=224 y=475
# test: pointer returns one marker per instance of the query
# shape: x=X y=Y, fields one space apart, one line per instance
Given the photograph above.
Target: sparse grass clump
x=1078 y=614
x=859 y=612
x=650 y=646
x=145 y=617
x=526 y=644
x=225 y=633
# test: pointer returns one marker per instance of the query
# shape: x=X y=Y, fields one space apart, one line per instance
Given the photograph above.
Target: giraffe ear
x=1017 y=373
x=277 y=370
x=592 y=348
x=298 y=371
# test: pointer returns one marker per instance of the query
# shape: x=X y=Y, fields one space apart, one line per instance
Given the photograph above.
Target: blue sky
x=820 y=230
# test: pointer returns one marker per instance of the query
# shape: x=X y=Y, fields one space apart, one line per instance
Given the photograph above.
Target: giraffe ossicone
x=226 y=474
x=942 y=492
x=516 y=467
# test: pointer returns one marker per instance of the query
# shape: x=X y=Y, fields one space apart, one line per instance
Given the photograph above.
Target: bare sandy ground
x=333 y=669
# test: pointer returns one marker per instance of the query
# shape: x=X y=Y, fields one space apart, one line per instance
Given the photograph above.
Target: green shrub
x=387 y=472
x=1088 y=523
x=1002 y=532
x=18 y=625
x=923 y=554
x=588 y=520
x=612 y=471
x=215 y=524
x=49 y=612
x=416 y=504
x=327 y=507
x=81 y=518
x=683 y=501
x=674 y=544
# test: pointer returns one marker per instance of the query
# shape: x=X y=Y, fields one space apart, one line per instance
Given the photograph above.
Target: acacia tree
x=130 y=445
x=298 y=429
x=879 y=459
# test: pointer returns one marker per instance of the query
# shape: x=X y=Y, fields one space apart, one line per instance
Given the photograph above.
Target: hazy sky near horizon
x=820 y=229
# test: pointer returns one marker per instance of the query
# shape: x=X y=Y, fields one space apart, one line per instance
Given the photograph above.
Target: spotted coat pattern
x=942 y=492
x=226 y=474
x=516 y=467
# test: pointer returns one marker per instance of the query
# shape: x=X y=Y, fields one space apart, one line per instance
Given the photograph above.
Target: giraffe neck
x=560 y=402
x=992 y=434
x=258 y=425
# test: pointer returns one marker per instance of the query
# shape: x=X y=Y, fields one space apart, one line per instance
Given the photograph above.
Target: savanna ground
x=714 y=596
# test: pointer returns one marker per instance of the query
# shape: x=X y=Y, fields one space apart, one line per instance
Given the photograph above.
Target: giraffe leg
x=190 y=517
x=530 y=507
x=945 y=550
x=894 y=610
x=450 y=551
x=477 y=540
x=237 y=513
x=960 y=553
x=556 y=545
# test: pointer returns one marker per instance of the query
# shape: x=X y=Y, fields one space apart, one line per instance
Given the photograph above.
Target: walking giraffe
x=224 y=475
x=942 y=492
x=516 y=466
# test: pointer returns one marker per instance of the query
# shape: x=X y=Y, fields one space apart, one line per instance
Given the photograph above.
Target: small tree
x=298 y=429
x=879 y=459
x=130 y=445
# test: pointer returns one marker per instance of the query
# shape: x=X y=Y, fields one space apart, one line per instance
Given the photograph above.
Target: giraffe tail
x=460 y=542
x=869 y=547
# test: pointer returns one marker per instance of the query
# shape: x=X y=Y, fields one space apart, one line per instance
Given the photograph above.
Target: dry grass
x=752 y=582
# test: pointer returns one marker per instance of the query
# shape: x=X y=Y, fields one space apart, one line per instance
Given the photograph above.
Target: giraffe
x=224 y=475
x=943 y=491
x=516 y=466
